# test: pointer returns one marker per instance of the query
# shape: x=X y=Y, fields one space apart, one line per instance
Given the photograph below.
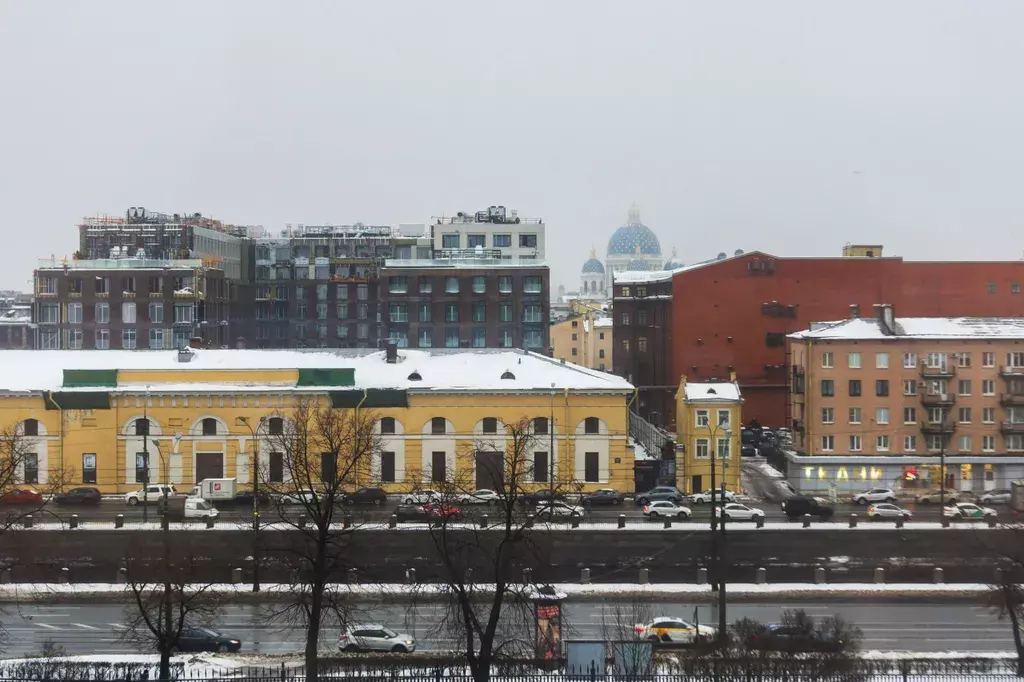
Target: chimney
x=391 y=352
x=240 y=342
x=886 y=318
x=854 y=311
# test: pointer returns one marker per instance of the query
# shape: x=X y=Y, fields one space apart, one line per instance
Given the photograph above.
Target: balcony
x=943 y=372
x=1012 y=427
x=938 y=428
x=1011 y=371
x=938 y=399
x=1011 y=399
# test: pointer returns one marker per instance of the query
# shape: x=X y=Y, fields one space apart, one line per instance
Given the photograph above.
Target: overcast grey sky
x=791 y=127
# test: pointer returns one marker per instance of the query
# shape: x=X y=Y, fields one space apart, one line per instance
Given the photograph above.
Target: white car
x=666 y=509
x=718 y=494
x=421 y=497
x=875 y=495
x=739 y=512
x=1001 y=496
x=373 y=637
x=303 y=497
x=151 y=494
x=666 y=629
x=967 y=510
x=481 y=496
x=558 y=510
x=887 y=510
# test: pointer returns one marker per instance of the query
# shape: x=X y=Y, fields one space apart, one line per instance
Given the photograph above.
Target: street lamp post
x=718 y=550
x=255 y=500
x=145 y=457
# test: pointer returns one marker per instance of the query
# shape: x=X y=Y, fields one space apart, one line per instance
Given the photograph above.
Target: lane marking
x=85 y=627
x=118 y=626
x=47 y=626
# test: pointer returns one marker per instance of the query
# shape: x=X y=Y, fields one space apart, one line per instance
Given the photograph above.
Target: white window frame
x=853 y=360
x=910 y=385
x=988 y=443
x=828 y=415
x=988 y=415
x=881 y=361
x=881 y=415
x=854 y=415
x=724 y=418
x=724 y=451
x=961 y=440
x=827 y=360
x=828 y=443
x=855 y=442
x=703 y=419
x=988 y=386
x=129 y=312
x=960 y=386
x=910 y=443
x=882 y=443
x=910 y=361
x=913 y=414
x=702 y=444
x=988 y=359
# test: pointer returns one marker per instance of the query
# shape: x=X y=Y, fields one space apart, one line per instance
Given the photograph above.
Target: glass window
x=424 y=312
x=827 y=360
x=505 y=284
x=828 y=415
x=881 y=361
x=479 y=311
x=362 y=331
x=881 y=387
x=475 y=240
x=504 y=312
x=532 y=313
x=702 y=448
x=363 y=292
x=426 y=337
x=321 y=311
x=854 y=387
x=321 y=292
x=533 y=338
x=49 y=313
x=400 y=337
x=450 y=241
x=426 y=285
x=74 y=313
x=451 y=337
x=479 y=285
x=182 y=313
x=828 y=388
x=156 y=339
x=988 y=359
x=502 y=241
x=156 y=313
x=362 y=311
x=128 y=339
x=398 y=312
x=479 y=337
x=532 y=284
x=102 y=313
x=341 y=292
x=910 y=361
x=342 y=311
x=828 y=443
x=451 y=285
x=909 y=443
x=505 y=338
x=853 y=360
x=451 y=312
x=527 y=241
x=49 y=339
x=909 y=415
x=882 y=415
x=882 y=443
x=398 y=285
x=74 y=337
x=854 y=443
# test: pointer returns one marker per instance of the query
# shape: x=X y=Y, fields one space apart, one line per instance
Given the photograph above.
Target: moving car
x=78 y=496
x=999 y=496
x=951 y=497
x=887 y=510
x=780 y=637
x=421 y=496
x=603 y=497
x=739 y=512
x=301 y=497
x=797 y=506
x=666 y=509
x=245 y=498
x=748 y=450
x=374 y=496
x=441 y=511
x=373 y=637
x=662 y=492
x=558 y=510
x=151 y=494
x=539 y=496
x=665 y=629
x=411 y=512
x=967 y=510
x=21 y=496
x=180 y=508
x=718 y=494
x=482 y=496
x=875 y=495
x=205 y=639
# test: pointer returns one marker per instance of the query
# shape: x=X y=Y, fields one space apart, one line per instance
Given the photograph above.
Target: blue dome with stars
x=593 y=267
x=637 y=265
x=673 y=263
x=634 y=237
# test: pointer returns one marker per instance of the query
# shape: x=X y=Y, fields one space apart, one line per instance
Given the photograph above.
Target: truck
x=182 y=508
x=215 y=490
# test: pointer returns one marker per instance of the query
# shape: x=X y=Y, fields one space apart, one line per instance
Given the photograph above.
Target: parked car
x=441 y=511
x=887 y=510
x=78 y=497
x=482 y=496
x=151 y=494
x=205 y=639
x=411 y=513
x=784 y=436
x=739 y=512
x=557 y=509
x=748 y=450
x=662 y=492
x=373 y=637
x=875 y=495
x=798 y=506
x=779 y=637
x=22 y=496
x=998 y=496
x=951 y=497
x=666 y=509
x=665 y=629
x=539 y=496
x=245 y=498
x=421 y=496
x=603 y=497
x=374 y=496
x=967 y=510
x=299 y=497
x=711 y=496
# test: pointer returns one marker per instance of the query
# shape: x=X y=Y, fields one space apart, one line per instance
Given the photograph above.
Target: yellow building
x=584 y=340
x=91 y=414
x=709 y=419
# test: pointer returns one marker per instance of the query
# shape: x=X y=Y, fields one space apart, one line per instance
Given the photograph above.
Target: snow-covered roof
x=16 y=315
x=712 y=392
x=440 y=369
x=665 y=275
x=917 y=327
x=603 y=322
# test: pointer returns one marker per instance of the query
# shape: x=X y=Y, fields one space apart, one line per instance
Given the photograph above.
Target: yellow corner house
x=709 y=418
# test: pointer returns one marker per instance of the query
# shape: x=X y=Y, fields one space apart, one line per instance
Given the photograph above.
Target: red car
x=22 y=496
x=439 y=510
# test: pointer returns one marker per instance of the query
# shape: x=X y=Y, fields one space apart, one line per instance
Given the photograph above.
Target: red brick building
x=733 y=315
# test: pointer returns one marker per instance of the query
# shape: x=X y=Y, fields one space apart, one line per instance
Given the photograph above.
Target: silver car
x=887 y=510
x=1000 y=496
x=375 y=637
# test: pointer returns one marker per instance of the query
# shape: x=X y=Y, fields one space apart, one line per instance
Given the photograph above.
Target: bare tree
x=1007 y=597
x=166 y=601
x=324 y=452
x=19 y=475
x=490 y=610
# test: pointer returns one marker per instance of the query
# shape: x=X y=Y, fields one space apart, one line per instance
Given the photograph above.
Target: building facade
x=882 y=400
x=584 y=340
x=132 y=303
x=203 y=414
x=710 y=417
x=17 y=330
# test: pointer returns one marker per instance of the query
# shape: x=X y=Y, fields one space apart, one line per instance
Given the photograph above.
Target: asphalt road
x=98 y=628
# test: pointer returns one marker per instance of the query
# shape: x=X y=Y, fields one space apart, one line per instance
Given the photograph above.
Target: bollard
x=483 y=521
x=393 y=521
x=761 y=576
x=353 y=577
x=760 y=520
x=65 y=575
x=27 y=521
x=210 y=521
x=807 y=520
x=302 y=521
x=347 y=521
x=5 y=577
x=702 y=576
x=819 y=575
x=645 y=576
x=879 y=576
x=165 y=522
x=122 y=575
x=945 y=521
x=295 y=576
x=668 y=523
x=938 y=576
x=622 y=520
x=236 y=575
x=410 y=576
x=119 y=521
x=991 y=518
x=998 y=576
x=899 y=521
x=74 y=520
x=853 y=520
x=527 y=576
x=584 y=576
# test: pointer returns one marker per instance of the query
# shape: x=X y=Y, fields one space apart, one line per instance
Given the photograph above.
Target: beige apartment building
x=584 y=340
x=887 y=401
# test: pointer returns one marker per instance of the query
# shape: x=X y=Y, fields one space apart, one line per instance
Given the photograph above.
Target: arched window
x=387 y=425
x=141 y=426
x=592 y=425
x=31 y=427
x=540 y=425
x=209 y=426
x=489 y=425
x=438 y=425
x=275 y=426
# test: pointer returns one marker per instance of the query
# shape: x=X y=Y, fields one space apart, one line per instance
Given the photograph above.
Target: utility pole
x=255 y=501
x=145 y=457
x=554 y=453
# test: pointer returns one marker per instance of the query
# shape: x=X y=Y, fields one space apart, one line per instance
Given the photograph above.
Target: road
x=97 y=628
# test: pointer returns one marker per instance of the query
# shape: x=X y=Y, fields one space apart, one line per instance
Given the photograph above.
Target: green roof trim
x=374 y=397
x=90 y=378
x=78 y=400
x=327 y=377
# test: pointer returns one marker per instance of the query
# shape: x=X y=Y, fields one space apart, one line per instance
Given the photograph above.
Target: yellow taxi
x=667 y=629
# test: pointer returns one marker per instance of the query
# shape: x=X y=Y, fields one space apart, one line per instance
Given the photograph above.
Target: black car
x=603 y=497
x=375 y=496
x=79 y=496
x=791 y=638
x=244 y=498
x=205 y=639
x=538 y=496
x=748 y=450
x=797 y=506
x=411 y=513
